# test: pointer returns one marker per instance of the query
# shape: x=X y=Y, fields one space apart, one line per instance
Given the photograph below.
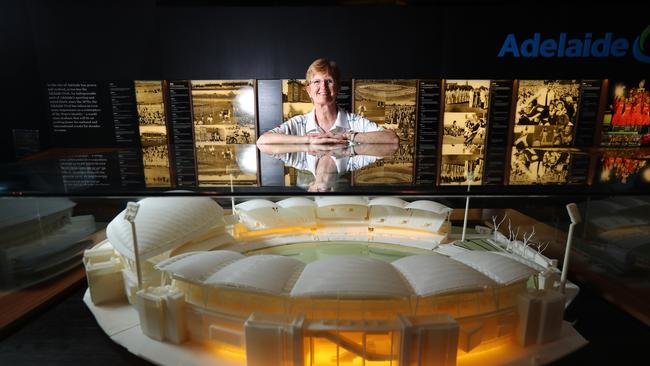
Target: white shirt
x=345 y=121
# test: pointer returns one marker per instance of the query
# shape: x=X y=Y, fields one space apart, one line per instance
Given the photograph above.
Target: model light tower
x=470 y=176
x=129 y=215
x=574 y=215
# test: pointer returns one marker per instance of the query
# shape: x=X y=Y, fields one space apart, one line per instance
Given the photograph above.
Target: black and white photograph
x=539 y=166
x=224 y=119
x=464 y=131
x=153 y=132
x=461 y=169
x=223 y=111
x=295 y=100
x=392 y=105
x=551 y=106
x=544 y=136
x=386 y=171
x=226 y=165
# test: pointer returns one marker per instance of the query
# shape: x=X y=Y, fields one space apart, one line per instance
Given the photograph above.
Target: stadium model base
x=335 y=280
x=120 y=322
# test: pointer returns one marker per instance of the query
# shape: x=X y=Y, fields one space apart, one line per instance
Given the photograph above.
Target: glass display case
x=141 y=222
x=336 y=267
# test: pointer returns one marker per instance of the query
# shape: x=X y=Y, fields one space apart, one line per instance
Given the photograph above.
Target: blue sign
x=564 y=46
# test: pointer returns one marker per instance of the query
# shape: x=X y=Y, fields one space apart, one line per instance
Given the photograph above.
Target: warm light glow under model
x=330 y=281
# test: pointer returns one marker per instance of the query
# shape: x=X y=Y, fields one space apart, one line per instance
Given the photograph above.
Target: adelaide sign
x=564 y=46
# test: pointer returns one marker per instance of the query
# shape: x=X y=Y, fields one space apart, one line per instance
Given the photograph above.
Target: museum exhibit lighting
x=341 y=280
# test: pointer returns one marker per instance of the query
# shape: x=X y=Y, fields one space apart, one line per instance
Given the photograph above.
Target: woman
x=326 y=123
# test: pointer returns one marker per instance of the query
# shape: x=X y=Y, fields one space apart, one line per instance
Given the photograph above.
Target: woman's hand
x=327 y=138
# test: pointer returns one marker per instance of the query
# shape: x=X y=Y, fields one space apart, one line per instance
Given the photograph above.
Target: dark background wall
x=124 y=40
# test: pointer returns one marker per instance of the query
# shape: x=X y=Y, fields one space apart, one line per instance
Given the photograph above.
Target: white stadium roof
x=438 y=274
x=388 y=201
x=350 y=277
x=198 y=266
x=163 y=223
x=537 y=267
x=296 y=202
x=255 y=204
x=502 y=269
x=341 y=200
x=261 y=273
x=430 y=206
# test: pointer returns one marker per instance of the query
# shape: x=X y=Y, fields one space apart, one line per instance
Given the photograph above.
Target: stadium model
x=324 y=281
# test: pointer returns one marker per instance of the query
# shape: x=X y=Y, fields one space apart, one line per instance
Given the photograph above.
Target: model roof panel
x=388 y=201
x=430 y=206
x=261 y=273
x=502 y=269
x=255 y=204
x=437 y=274
x=350 y=277
x=296 y=202
x=163 y=223
x=341 y=200
x=198 y=266
x=525 y=261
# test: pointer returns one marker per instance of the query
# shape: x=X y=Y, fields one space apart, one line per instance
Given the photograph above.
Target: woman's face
x=322 y=89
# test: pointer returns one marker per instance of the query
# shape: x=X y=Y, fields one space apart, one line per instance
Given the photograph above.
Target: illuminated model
x=328 y=281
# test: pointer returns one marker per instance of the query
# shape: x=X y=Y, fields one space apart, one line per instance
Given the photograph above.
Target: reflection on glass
x=153 y=132
x=539 y=166
x=621 y=167
x=391 y=104
x=41 y=238
x=225 y=165
x=224 y=131
x=326 y=168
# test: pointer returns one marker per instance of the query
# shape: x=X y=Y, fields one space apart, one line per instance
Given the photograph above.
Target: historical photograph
x=226 y=165
x=224 y=119
x=464 y=131
x=391 y=104
x=539 y=165
x=295 y=100
x=224 y=111
x=387 y=171
x=626 y=120
x=551 y=106
x=153 y=132
x=543 y=136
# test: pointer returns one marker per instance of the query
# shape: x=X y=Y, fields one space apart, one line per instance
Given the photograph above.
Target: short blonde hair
x=324 y=65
